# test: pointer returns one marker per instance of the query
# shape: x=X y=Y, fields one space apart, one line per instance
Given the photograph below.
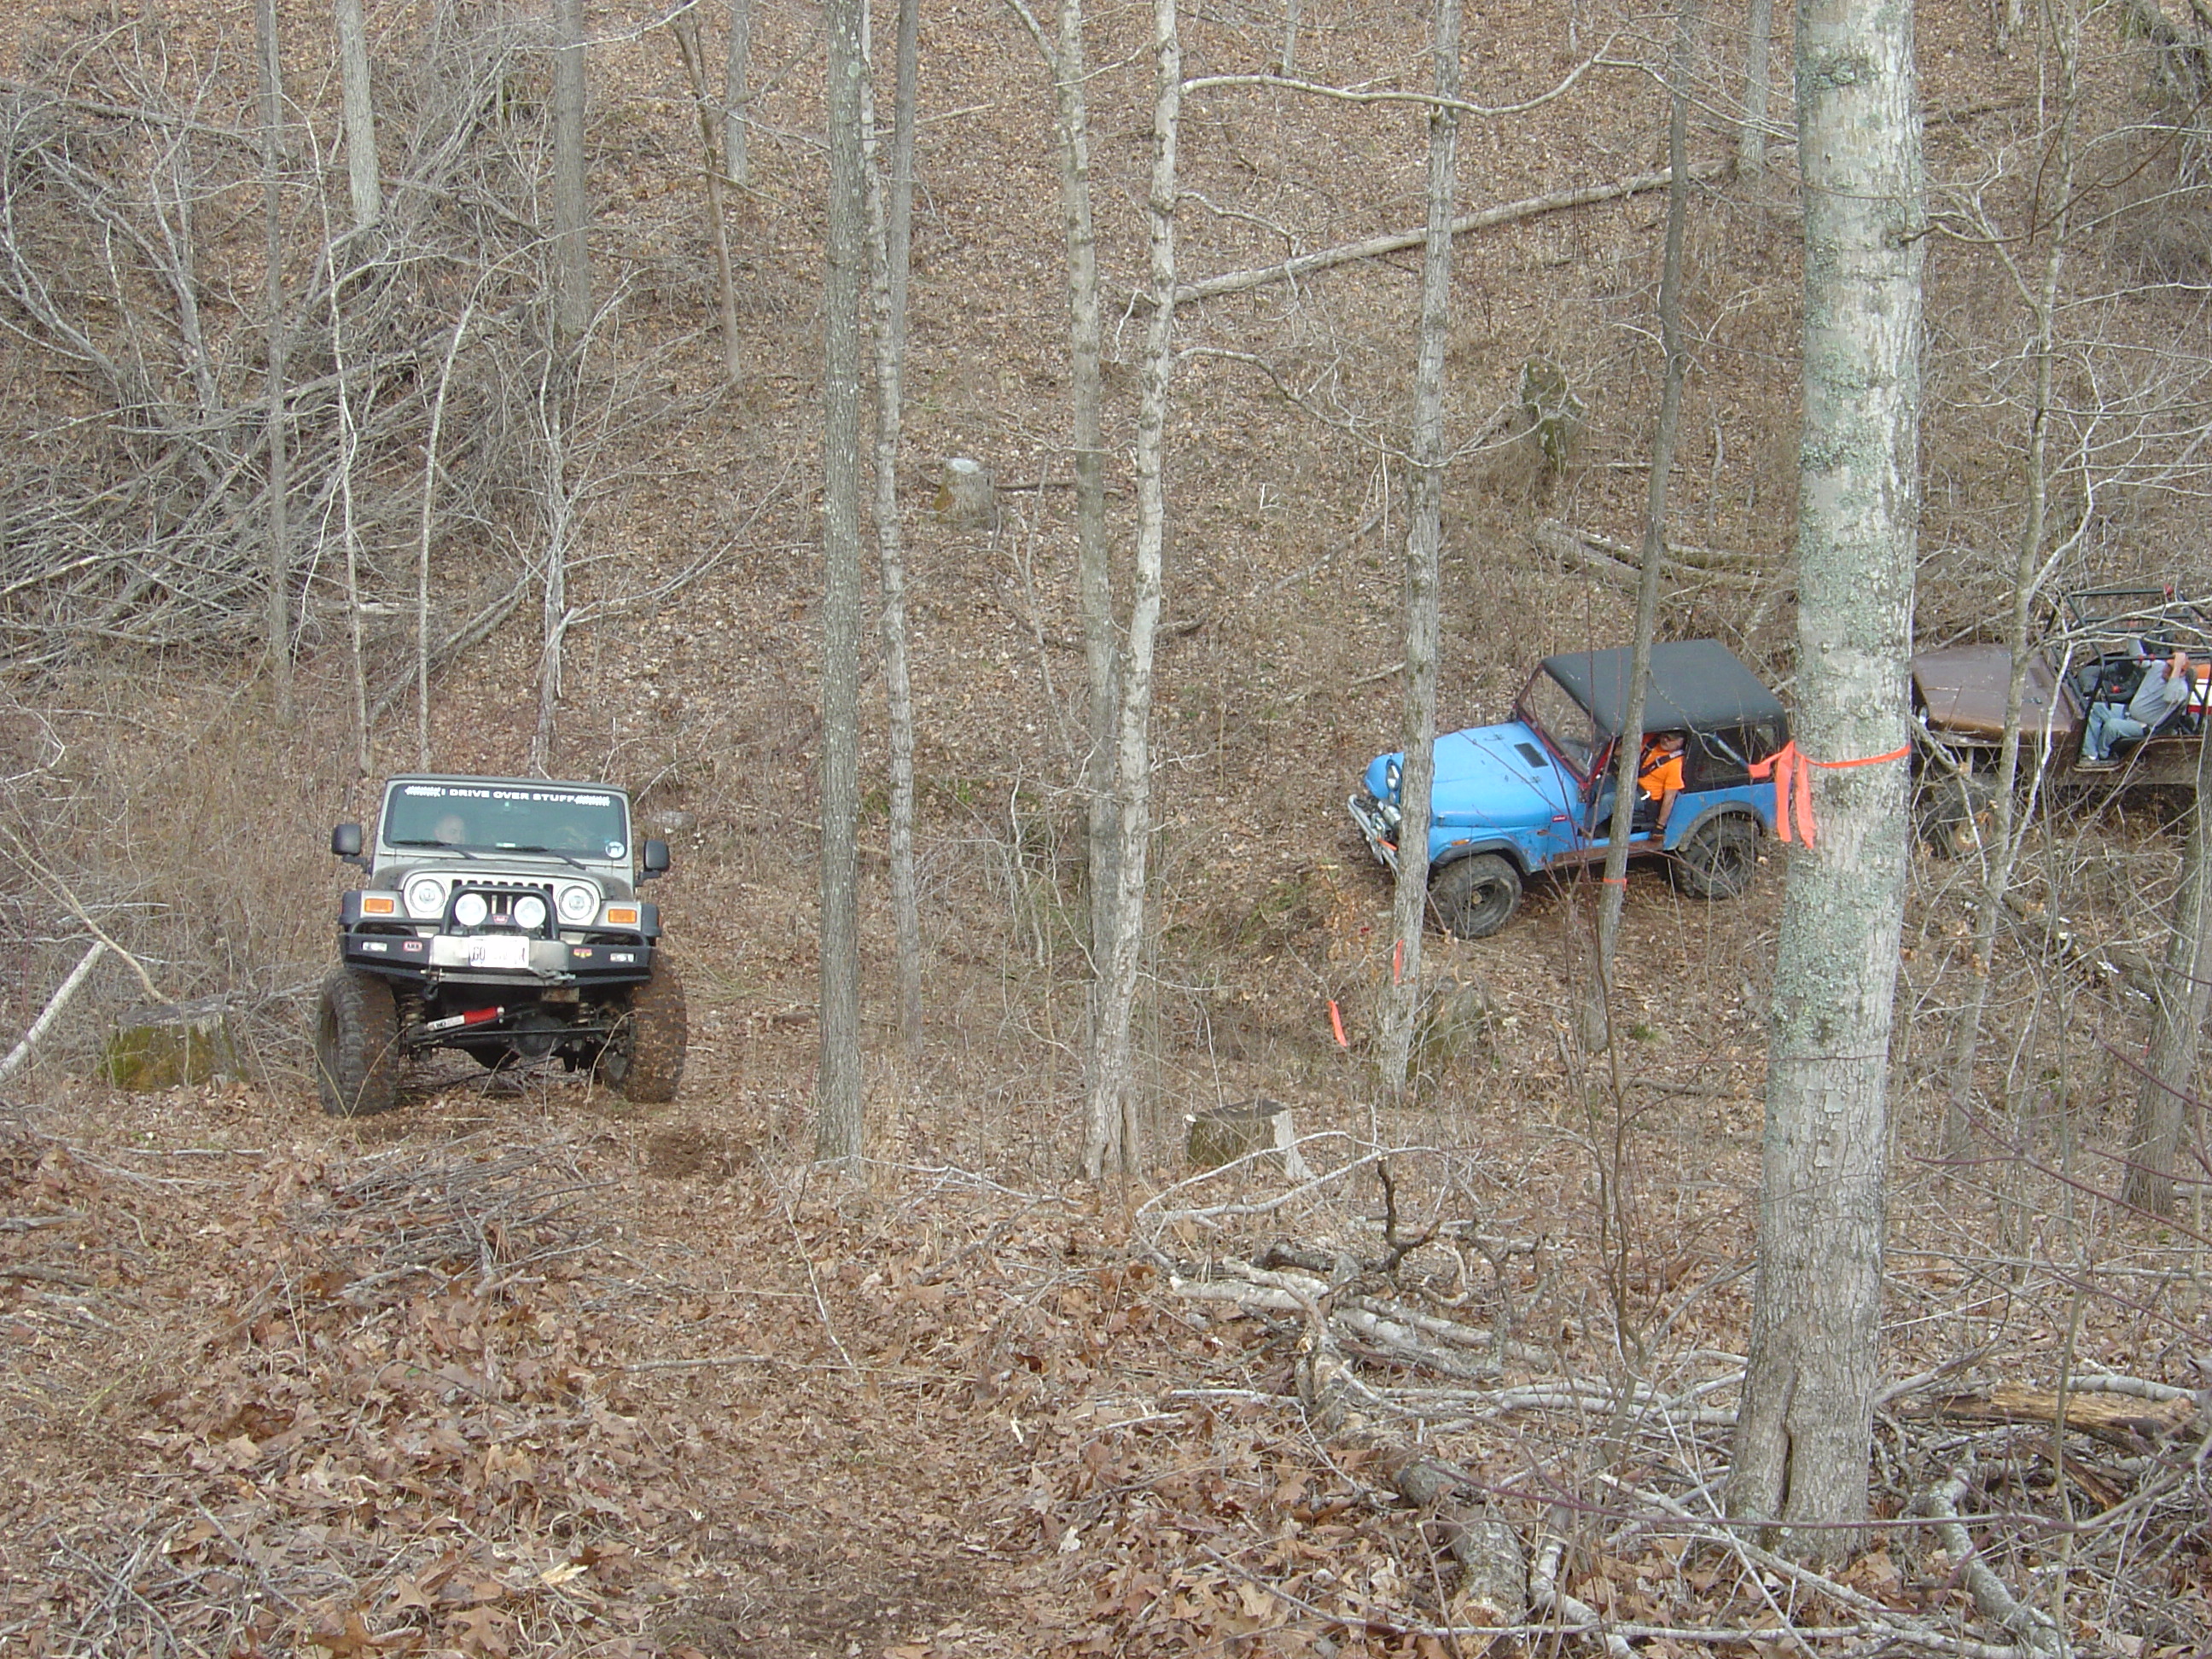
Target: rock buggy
x=1535 y=794
x=501 y=917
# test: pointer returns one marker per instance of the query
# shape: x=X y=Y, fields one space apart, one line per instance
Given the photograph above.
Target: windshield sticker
x=616 y=849
x=534 y=797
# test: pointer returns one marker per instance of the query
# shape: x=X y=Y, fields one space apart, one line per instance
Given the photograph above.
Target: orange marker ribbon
x=1793 y=779
x=1336 y=1021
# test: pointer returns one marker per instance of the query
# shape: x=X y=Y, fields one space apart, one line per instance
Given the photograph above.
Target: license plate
x=502 y=951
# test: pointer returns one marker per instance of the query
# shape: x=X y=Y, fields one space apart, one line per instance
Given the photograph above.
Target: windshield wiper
x=550 y=853
x=441 y=846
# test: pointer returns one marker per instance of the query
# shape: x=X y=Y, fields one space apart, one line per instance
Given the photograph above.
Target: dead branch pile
x=1413 y=1374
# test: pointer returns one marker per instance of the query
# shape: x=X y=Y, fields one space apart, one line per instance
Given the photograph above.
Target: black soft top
x=1697 y=685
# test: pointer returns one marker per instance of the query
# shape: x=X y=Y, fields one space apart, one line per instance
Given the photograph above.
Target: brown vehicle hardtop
x=2099 y=652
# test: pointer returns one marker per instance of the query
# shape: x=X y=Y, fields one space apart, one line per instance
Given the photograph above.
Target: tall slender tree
x=1093 y=551
x=1111 y=1139
x=278 y=597
x=1424 y=543
x=572 y=260
x=1804 y=1425
x=838 y=1129
x=887 y=228
x=364 y=180
x=1614 y=893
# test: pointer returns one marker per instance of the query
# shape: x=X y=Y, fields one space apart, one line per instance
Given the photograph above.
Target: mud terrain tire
x=644 y=1062
x=357 y=1055
x=1717 y=859
x=1474 y=898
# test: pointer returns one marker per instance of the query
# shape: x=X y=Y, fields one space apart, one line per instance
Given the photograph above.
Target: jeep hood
x=1963 y=689
x=1498 y=777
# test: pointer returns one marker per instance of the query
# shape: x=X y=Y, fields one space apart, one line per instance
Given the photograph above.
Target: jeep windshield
x=1560 y=720
x=507 y=817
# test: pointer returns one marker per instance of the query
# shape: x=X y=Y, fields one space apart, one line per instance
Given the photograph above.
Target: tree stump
x=1229 y=1132
x=968 y=498
x=179 y=1043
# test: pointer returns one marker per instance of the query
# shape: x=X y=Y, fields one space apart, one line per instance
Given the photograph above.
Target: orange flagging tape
x=1793 y=780
x=1336 y=1022
x=1398 y=963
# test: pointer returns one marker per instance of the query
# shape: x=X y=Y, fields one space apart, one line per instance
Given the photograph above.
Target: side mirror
x=656 y=858
x=345 y=841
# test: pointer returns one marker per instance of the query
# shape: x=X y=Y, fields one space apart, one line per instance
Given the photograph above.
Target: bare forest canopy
x=294 y=494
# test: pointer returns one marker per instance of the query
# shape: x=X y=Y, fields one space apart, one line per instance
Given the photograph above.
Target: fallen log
x=55 y=1004
x=1237 y=281
x=2118 y=1418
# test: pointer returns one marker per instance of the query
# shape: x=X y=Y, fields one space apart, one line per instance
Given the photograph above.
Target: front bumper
x=1380 y=833
x=495 y=959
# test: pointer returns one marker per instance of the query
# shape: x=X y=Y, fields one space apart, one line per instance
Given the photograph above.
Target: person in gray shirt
x=2165 y=688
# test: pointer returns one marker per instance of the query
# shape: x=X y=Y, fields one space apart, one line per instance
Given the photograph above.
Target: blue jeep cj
x=1536 y=793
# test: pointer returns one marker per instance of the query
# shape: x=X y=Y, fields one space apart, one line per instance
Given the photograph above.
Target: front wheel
x=644 y=1058
x=357 y=1044
x=1474 y=898
x=1717 y=859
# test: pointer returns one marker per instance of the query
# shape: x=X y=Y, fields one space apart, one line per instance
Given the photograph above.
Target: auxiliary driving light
x=470 y=909
x=529 y=913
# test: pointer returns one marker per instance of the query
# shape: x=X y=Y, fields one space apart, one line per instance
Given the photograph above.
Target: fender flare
x=1727 y=808
x=1467 y=849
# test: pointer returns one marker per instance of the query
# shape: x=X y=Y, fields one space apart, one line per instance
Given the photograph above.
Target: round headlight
x=426 y=896
x=470 y=909
x=1391 y=775
x=529 y=913
x=578 y=904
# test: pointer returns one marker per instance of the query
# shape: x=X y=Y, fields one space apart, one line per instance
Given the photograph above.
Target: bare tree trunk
x=1628 y=758
x=556 y=401
x=572 y=261
x=905 y=114
x=1758 y=72
x=2030 y=569
x=363 y=181
x=1804 y=1424
x=684 y=26
x=2177 y=1025
x=838 y=1130
x=1093 y=554
x=278 y=611
x=1423 y=540
x=1111 y=1137
x=738 y=69
x=423 y=539
x=348 y=457
x=888 y=266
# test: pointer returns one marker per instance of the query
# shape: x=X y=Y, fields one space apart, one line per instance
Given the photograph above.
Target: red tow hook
x=473 y=1017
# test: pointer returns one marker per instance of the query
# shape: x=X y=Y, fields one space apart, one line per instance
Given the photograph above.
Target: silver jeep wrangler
x=501 y=917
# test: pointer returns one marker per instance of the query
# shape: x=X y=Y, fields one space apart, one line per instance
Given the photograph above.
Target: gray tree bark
x=888 y=266
x=737 y=72
x=1424 y=542
x=2184 y=991
x=1111 y=1133
x=364 y=182
x=1758 y=71
x=838 y=1130
x=278 y=625
x=1804 y=1422
x=572 y=262
x=1627 y=761
x=1093 y=553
